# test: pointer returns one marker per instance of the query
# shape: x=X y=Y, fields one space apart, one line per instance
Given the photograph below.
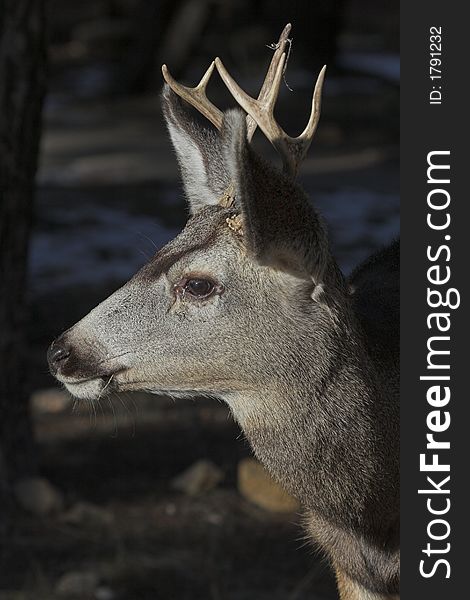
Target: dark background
x=108 y=194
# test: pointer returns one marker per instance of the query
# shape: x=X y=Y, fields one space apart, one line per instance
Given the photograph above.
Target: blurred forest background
x=140 y=497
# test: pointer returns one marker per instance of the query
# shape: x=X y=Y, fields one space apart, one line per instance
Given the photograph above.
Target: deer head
x=229 y=305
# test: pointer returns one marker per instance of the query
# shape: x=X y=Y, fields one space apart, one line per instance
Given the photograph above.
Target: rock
x=170 y=509
x=104 y=593
x=256 y=485
x=38 y=496
x=214 y=518
x=77 y=584
x=87 y=514
x=50 y=401
x=200 y=478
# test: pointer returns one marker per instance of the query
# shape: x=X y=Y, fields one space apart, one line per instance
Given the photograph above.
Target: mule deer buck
x=248 y=304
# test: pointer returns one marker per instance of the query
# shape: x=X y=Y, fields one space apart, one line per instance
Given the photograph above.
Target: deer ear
x=199 y=153
x=280 y=226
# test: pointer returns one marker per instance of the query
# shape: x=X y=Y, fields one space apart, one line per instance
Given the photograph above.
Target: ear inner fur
x=199 y=153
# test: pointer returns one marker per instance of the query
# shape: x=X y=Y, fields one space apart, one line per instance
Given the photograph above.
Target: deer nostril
x=58 y=352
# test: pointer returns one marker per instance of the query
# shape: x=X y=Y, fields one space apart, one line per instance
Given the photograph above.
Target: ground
x=123 y=522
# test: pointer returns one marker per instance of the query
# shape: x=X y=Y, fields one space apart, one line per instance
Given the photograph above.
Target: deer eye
x=197 y=287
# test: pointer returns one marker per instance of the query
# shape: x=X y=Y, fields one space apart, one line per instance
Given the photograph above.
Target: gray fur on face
x=284 y=341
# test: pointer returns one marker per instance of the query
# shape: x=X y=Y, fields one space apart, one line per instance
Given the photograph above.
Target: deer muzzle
x=84 y=368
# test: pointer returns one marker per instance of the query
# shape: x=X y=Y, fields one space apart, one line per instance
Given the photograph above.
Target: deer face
x=215 y=309
x=180 y=324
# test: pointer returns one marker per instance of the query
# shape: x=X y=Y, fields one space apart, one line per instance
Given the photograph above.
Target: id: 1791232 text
x=435 y=65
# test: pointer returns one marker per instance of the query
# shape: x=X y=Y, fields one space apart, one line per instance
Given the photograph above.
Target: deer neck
x=316 y=426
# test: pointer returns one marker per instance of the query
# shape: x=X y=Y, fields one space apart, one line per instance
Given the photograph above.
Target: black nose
x=57 y=354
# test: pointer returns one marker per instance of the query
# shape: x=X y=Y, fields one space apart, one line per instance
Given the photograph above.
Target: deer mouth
x=84 y=374
x=90 y=388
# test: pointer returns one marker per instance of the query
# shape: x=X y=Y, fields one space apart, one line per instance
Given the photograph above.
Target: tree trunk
x=22 y=86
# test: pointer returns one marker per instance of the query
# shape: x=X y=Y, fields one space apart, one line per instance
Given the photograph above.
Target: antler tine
x=196 y=96
x=270 y=75
x=261 y=110
x=295 y=148
x=307 y=134
x=292 y=150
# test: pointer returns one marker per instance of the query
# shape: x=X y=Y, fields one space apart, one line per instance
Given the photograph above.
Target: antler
x=260 y=112
x=197 y=96
x=292 y=150
x=270 y=79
